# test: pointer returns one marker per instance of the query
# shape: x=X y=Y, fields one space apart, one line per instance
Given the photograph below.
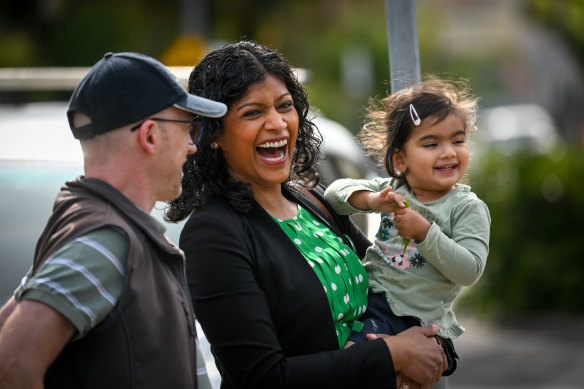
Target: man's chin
x=171 y=196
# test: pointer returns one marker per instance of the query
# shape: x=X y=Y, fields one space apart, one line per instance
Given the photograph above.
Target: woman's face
x=260 y=133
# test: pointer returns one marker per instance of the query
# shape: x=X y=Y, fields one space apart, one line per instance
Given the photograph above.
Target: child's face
x=435 y=157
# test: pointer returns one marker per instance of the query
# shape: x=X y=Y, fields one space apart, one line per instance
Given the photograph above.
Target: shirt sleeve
x=463 y=257
x=83 y=280
x=338 y=193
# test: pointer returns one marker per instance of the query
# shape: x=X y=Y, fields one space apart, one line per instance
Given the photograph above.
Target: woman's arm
x=234 y=312
x=253 y=310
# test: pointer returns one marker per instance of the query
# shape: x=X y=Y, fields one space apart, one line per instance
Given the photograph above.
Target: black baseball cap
x=123 y=88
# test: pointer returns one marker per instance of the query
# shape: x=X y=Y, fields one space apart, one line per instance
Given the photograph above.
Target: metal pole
x=194 y=16
x=402 y=39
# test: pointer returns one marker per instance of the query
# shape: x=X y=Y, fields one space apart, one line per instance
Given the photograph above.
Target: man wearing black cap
x=105 y=303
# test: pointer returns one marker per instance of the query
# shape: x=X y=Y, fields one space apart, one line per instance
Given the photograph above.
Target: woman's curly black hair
x=225 y=75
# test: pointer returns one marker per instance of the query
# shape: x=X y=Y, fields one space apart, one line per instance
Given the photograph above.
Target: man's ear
x=399 y=161
x=147 y=136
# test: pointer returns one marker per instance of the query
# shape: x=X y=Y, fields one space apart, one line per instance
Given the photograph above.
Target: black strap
x=308 y=194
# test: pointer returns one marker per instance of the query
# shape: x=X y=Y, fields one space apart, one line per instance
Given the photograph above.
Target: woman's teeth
x=274 y=145
x=273 y=151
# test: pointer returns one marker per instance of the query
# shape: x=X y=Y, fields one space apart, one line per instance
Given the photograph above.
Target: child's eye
x=427 y=145
x=459 y=141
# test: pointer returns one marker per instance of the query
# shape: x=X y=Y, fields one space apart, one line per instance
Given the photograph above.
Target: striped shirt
x=83 y=280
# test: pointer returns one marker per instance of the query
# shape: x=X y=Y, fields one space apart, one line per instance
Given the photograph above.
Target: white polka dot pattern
x=337 y=267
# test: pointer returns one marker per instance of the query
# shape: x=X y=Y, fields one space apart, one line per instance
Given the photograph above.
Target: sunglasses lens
x=196 y=130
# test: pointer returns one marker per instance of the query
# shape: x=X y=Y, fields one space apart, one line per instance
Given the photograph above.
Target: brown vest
x=148 y=340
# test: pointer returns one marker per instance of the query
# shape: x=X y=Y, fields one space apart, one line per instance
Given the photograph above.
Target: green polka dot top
x=338 y=268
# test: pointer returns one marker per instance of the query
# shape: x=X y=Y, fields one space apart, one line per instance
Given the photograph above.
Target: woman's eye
x=253 y=112
x=286 y=105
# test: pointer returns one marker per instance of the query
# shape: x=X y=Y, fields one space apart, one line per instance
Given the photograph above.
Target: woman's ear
x=217 y=143
x=399 y=161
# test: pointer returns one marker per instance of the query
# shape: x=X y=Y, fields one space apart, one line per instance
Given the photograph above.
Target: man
x=105 y=304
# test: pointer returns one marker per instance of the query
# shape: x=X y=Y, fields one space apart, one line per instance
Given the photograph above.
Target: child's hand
x=410 y=224
x=385 y=201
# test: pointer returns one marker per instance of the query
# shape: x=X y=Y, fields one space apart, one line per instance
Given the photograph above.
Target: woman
x=268 y=307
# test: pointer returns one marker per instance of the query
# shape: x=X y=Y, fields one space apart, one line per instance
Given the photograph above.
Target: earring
x=214 y=145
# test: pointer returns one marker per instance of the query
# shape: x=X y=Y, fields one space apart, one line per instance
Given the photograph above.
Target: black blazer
x=263 y=309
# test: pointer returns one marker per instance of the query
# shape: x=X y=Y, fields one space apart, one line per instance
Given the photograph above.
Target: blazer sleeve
x=234 y=313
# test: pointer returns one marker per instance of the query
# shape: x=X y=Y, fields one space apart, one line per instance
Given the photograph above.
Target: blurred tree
x=77 y=33
x=485 y=41
x=537 y=214
x=567 y=17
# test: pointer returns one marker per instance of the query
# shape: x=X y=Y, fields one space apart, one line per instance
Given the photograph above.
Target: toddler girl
x=434 y=232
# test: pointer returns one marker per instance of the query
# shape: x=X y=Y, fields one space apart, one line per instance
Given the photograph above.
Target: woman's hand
x=416 y=355
x=404 y=382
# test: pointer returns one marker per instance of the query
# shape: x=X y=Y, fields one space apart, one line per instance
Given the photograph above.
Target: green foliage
x=566 y=16
x=537 y=211
x=67 y=33
x=329 y=30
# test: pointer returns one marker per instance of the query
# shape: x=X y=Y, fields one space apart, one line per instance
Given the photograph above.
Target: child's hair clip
x=414 y=115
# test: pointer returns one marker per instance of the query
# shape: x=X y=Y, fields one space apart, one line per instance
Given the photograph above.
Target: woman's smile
x=274 y=151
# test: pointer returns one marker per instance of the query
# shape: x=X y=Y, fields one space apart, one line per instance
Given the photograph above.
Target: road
x=544 y=352
x=531 y=352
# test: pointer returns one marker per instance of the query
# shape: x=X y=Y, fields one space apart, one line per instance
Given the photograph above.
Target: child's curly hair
x=389 y=124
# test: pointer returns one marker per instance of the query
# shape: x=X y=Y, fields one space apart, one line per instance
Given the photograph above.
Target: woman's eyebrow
x=250 y=104
x=256 y=104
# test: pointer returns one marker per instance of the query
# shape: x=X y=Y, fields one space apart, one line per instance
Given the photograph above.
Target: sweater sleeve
x=337 y=194
x=463 y=257
x=234 y=313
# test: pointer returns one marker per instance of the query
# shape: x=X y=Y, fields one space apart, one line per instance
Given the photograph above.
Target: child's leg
x=373 y=319
x=379 y=319
x=396 y=324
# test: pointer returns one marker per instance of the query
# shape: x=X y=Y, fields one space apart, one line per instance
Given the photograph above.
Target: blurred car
x=514 y=128
x=38 y=154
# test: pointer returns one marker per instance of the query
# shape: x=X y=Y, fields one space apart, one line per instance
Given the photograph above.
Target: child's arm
x=348 y=196
x=410 y=224
x=462 y=256
x=384 y=201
